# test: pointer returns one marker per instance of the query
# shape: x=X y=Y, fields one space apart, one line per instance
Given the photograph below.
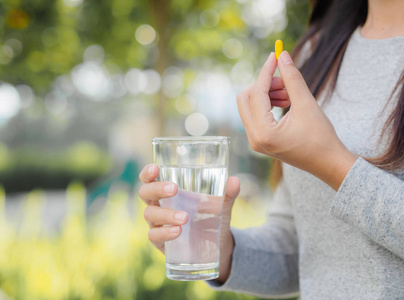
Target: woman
x=336 y=229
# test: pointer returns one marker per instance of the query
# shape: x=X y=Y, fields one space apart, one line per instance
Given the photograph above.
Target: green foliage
x=105 y=257
x=297 y=12
x=42 y=41
x=54 y=35
x=28 y=168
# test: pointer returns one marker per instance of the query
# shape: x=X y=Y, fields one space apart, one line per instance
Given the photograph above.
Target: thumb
x=298 y=91
x=232 y=191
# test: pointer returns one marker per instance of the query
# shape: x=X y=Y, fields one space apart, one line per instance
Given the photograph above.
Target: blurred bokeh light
x=10 y=102
x=196 y=124
x=145 y=34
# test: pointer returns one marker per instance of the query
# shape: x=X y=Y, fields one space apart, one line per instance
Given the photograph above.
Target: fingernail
x=285 y=57
x=174 y=229
x=180 y=216
x=151 y=169
x=169 y=188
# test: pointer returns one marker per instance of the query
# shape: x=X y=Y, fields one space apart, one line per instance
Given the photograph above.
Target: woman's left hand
x=304 y=137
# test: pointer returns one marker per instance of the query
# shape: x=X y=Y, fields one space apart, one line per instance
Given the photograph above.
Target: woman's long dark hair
x=331 y=24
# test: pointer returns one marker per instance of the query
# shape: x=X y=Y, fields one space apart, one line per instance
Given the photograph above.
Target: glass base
x=189 y=272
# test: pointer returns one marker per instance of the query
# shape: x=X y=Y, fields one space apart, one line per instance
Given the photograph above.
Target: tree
x=47 y=39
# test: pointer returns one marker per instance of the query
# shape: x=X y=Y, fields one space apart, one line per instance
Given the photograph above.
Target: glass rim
x=190 y=139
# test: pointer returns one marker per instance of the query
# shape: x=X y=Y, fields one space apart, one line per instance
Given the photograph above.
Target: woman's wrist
x=226 y=253
x=335 y=166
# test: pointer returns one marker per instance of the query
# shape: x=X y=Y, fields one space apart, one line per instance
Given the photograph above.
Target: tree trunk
x=160 y=13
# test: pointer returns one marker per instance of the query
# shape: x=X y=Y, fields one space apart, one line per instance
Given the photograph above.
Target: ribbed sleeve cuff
x=238 y=261
x=259 y=272
x=366 y=192
x=350 y=188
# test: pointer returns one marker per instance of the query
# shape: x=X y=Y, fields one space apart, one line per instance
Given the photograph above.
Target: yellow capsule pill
x=278 y=48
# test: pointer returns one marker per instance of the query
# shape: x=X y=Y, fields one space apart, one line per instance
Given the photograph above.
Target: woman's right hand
x=152 y=191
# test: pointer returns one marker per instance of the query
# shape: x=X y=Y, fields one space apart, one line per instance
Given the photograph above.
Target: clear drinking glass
x=198 y=165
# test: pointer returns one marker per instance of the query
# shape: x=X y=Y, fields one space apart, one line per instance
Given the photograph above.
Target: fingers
x=232 y=189
x=149 y=173
x=159 y=235
x=278 y=95
x=281 y=103
x=243 y=107
x=264 y=79
x=157 y=216
x=260 y=104
x=294 y=82
x=152 y=192
x=277 y=84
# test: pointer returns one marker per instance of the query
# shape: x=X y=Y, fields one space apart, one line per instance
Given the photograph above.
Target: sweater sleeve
x=373 y=201
x=265 y=258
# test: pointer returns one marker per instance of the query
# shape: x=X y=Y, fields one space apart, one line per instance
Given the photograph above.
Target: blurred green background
x=84 y=86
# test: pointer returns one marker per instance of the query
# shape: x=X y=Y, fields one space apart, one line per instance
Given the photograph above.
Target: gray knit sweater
x=336 y=245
